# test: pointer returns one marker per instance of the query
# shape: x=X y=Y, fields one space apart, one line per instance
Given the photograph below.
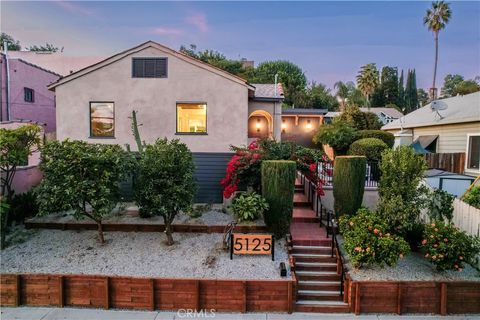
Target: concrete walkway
x=26 y=313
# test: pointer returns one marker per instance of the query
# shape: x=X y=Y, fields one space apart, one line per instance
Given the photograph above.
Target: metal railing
x=372 y=173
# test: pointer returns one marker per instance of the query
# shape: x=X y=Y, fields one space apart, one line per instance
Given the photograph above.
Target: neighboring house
x=24 y=93
x=454 y=128
x=176 y=96
x=385 y=115
x=300 y=125
x=29 y=175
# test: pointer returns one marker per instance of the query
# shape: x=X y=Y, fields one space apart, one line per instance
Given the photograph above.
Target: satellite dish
x=438 y=105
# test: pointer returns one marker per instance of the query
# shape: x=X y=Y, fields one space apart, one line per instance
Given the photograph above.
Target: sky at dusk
x=328 y=40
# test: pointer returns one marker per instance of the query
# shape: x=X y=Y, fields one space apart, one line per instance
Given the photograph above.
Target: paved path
x=27 y=313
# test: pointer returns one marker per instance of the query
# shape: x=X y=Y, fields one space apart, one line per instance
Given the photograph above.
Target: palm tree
x=342 y=94
x=436 y=19
x=367 y=80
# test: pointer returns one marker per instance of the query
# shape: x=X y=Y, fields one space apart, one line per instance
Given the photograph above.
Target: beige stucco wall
x=451 y=138
x=275 y=111
x=155 y=100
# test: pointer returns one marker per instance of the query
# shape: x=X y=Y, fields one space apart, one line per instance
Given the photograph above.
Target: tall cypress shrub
x=278 y=186
x=348 y=183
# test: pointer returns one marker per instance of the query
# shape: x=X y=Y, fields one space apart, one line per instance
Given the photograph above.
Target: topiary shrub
x=367 y=241
x=401 y=195
x=448 y=248
x=249 y=206
x=338 y=135
x=348 y=183
x=385 y=136
x=371 y=148
x=278 y=184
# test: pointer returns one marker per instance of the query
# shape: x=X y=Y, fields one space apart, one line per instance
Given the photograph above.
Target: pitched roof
x=302 y=111
x=460 y=109
x=391 y=112
x=56 y=62
x=267 y=90
x=141 y=47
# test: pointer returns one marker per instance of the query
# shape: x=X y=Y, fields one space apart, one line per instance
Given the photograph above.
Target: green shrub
x=401 y=195
x=338 y=135
x=371 y=148
x=385 y=136
x=249 y=206
x=372 y=121
x=348 y=184
x=472 y=197
x=278 y=184
x=367 y=241
x=78 y=175
x=440 y=205
x=165 y=184
x=449 y=248
x=23 y=206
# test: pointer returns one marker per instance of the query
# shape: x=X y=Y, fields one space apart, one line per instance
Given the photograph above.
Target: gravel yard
x=137 y=254
x=413 y=267
x=129 y=214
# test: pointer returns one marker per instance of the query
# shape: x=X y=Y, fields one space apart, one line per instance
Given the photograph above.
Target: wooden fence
x=145 y=293
x=453 y=162
x=413 y=297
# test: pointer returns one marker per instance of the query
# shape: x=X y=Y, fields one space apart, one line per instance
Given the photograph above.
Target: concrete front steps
x=318 y=286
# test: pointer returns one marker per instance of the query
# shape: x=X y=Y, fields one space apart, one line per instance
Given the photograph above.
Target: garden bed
x=137 y=254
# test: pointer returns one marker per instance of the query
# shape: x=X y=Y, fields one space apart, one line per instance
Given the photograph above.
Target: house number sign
x=251 y=244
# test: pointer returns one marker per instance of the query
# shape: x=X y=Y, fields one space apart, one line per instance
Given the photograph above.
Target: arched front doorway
x=260 y=125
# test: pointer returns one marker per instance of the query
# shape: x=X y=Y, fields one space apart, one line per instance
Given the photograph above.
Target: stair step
x=312 y=249
x=319 y=285
x=316 y=264
x=322 y=306
x=318 y=293
x=317 y=275
x=306 y=257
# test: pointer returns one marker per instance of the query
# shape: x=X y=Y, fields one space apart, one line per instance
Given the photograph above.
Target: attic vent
x=149 y=67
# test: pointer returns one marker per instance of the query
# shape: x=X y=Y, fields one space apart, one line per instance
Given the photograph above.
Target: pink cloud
x=74 y=8
x=166 y=31
x=198 y=20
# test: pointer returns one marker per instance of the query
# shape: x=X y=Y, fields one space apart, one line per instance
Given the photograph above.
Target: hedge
x=385 y=136
x=278 y=186
x=371 y=148
x=348 y=184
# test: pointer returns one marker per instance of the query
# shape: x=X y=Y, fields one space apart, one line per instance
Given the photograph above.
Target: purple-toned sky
x=328 y=40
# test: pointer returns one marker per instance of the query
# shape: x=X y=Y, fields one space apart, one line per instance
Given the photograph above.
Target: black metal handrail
x=336 y=248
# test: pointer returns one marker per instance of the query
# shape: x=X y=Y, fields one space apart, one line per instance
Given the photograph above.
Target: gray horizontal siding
x=209 y=171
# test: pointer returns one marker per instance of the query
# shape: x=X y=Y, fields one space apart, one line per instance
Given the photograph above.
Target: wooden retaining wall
x=413 y=297
x=145 y=293
x=141 y=227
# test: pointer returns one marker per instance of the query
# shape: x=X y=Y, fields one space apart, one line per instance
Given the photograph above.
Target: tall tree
x=436 y=18
x=319 y=97
x=454 y=84
x=12 y=44
x=411 y=98
x=422 y=97
x=367 y=80
x=289 y=74
x=401 y=91
x=466 y=87
x=343 y=91
x=389 y=84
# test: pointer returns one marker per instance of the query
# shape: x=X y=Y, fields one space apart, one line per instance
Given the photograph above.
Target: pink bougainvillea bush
x=447 y=247
x=243 y=169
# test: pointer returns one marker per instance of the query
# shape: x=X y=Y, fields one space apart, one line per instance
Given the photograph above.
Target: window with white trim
x=473 y=152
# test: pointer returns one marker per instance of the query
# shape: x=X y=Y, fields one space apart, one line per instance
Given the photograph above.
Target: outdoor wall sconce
x=284 y=126
x=258 y=125
x=309 y=125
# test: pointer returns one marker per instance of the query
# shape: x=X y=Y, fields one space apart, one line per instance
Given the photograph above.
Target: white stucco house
x=176 y=96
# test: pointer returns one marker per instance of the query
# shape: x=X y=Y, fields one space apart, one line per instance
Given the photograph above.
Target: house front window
x=191 y=118
x=102 y=120
x=473 y=152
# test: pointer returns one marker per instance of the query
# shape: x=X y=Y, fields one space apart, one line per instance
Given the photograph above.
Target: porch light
x=284 y=125
x=258 y=125
x=309 y=125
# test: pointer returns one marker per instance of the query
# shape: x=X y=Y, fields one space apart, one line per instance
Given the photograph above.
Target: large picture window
x=102 y=119
x=473 y=152
x=192 y=118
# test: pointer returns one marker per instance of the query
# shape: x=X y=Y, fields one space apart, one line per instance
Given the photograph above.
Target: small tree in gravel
x=165 y=184
x=82 y=177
